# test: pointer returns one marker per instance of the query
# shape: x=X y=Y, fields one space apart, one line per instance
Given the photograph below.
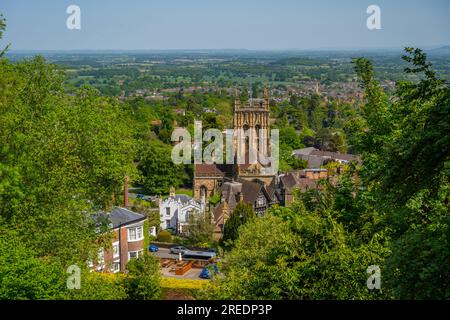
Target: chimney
x=125 y=190
x=172 y=192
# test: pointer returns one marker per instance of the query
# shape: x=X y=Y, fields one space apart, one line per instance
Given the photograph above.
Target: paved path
x=164 y=253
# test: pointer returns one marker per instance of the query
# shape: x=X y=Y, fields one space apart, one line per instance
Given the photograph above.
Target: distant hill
x=445 y=50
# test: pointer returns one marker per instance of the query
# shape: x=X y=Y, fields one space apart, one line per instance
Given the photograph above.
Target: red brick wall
x=109 y=254
x=123 y=248
x=135 y=245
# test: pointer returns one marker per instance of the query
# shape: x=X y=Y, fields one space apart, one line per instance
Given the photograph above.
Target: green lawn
x=187 y=192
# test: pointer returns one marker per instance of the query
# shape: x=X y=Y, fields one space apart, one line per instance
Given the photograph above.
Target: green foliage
x=391 y=212
x=200 y=229
x=100 y=286
x=257 y=276
x=308 y=257
x=23 y=275
x=214 y=199
x=288 y=161
x=146 y=234
x=2 y=25
x=160 y=173
x=405 y=147
x=289 y=136
x=332 y=140
x=242 y=214
x=61 y=158
x=143 y=279
x=164 y=236
x=2 y=29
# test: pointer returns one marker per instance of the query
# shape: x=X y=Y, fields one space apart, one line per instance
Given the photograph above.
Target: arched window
x=258 y=138
x=247 y=143
x=203 y=193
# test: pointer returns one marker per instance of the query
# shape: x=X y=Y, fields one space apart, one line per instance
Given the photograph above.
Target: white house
x=175 y=211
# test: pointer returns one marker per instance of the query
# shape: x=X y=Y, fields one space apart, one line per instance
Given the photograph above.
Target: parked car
x=153 y=248
x=178 y=249
x=209 y=271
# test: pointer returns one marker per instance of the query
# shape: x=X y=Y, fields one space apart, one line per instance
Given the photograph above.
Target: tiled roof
x=250 y=191
x=291 y=181
x=216 y=170
x=288 y=180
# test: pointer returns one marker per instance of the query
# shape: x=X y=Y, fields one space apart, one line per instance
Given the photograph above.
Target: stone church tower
x=252 y=138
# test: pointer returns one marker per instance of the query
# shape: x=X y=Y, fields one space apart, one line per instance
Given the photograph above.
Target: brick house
x=128 y=239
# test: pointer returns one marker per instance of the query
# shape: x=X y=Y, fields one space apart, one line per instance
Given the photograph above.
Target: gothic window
x=203 y=193
x=258 y=132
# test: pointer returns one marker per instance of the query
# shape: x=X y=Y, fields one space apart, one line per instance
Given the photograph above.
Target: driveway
x=193 y=274
x=164 y=253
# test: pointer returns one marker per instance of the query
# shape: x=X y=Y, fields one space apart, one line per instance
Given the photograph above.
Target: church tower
x=252 y=138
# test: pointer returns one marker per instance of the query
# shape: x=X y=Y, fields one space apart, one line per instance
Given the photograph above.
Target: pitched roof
x=271 y=189
x=121 y=216
x=117 y=217
x=216 y=170
x=317 y=158
x=250 y=191
x=182 y=199
x=334 y=155
x=291 y=181
x=288 y=180
x=306 y=183
x=304 y=151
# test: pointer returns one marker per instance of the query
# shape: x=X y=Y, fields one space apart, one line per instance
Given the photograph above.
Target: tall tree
x=242 y=213
x=2 y=29
x=200 y=229
x=406 y=161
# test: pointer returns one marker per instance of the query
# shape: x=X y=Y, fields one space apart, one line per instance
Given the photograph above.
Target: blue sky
x=224 y=24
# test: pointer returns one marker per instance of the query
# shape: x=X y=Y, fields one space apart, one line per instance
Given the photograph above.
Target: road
x=164 y=253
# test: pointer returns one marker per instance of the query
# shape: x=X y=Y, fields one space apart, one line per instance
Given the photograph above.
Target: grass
x=181 y=289
x=178 y=283
x=187 y=192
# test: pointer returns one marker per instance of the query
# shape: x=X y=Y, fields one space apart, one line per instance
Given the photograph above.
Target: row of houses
x=128 y=229
x=176 y=209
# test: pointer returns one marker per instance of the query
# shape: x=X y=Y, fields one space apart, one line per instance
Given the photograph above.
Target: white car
x=178 y=249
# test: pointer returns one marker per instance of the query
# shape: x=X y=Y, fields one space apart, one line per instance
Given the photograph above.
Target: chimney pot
x=126 y=192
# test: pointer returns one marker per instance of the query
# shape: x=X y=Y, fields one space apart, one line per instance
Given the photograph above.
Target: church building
x=251 y=140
